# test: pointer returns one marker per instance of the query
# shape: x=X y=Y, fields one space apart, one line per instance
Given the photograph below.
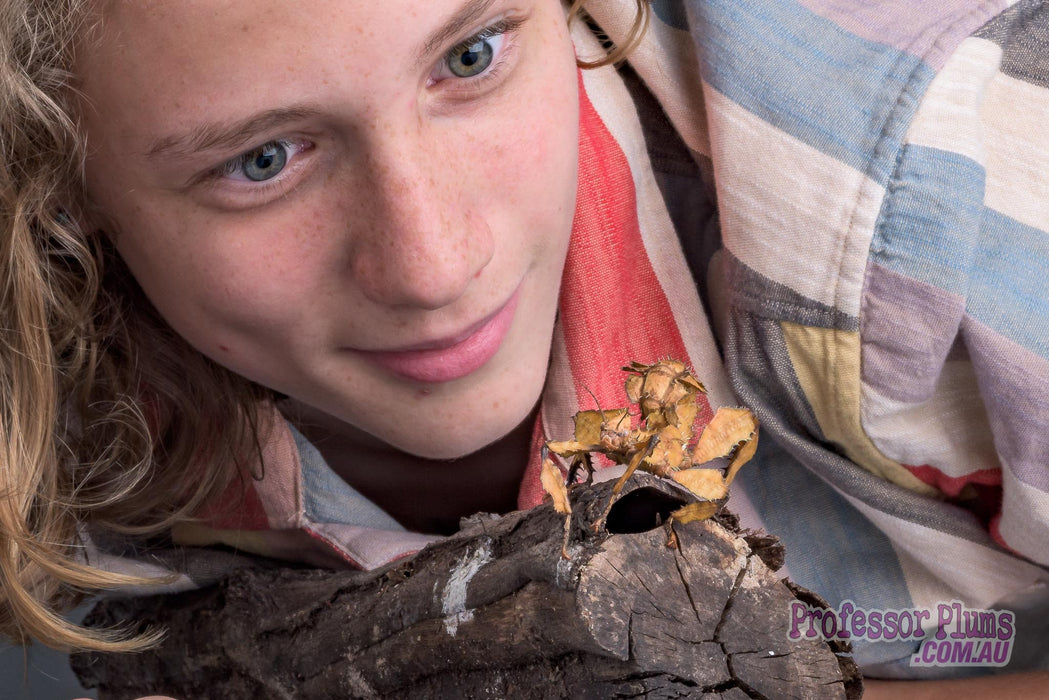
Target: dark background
x=38 y=673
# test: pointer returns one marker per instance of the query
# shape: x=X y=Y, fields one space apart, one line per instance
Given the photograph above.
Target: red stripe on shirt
x=238 y=508
x=613 y=308
x=953 y=485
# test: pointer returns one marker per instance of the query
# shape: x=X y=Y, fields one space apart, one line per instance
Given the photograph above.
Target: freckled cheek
x=540 y=173
x=269 y=284
x=534 y=157
x=234 y=282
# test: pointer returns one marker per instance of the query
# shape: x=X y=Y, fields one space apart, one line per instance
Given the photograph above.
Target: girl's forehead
x=156 y=63
x=358 y=16
x=183 y=35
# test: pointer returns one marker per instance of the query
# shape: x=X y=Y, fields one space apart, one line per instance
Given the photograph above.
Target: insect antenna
x=594 y=397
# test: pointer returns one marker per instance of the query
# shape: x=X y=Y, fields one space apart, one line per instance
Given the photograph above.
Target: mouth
x=451 y=358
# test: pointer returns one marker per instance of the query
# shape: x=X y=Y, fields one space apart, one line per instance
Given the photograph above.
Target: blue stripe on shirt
x=832 y=548
x=848 y=97
x=929 y=223
x=1009 y=281
x=934 y=227
x=329 y=499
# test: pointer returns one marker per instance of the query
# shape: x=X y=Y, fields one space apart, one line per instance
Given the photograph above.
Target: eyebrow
x=220 y=135
x=453 y=26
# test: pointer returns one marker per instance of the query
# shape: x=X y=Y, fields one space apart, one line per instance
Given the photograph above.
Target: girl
x=317 y=284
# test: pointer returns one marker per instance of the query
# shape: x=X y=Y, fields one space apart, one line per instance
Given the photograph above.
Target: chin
x=449 y=452
x=469 y=431
x=453 y=442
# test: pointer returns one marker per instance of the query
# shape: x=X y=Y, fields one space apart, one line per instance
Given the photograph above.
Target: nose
x=423 y=241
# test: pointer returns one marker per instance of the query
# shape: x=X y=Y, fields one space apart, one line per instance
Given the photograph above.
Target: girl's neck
x=424 y=495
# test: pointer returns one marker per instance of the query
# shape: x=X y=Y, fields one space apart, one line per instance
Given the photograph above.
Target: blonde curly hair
x=107 y=417
x=616 y=53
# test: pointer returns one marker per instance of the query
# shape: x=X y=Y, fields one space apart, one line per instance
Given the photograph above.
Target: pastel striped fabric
x=876 y=267
x=882 y=181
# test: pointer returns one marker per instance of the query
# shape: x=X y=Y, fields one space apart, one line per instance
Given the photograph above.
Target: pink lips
x=452 y=358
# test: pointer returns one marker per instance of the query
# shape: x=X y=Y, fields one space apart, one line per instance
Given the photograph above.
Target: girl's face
x=363 y=205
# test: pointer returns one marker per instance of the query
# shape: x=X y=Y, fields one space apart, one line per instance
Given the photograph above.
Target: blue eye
x=481 y=53
x=264 y=163
x=471 y=59
x=279 y=161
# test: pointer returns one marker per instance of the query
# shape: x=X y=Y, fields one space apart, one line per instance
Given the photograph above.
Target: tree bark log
x=495 y=611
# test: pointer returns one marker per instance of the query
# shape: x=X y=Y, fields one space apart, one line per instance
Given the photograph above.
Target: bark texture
x=495 y=611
